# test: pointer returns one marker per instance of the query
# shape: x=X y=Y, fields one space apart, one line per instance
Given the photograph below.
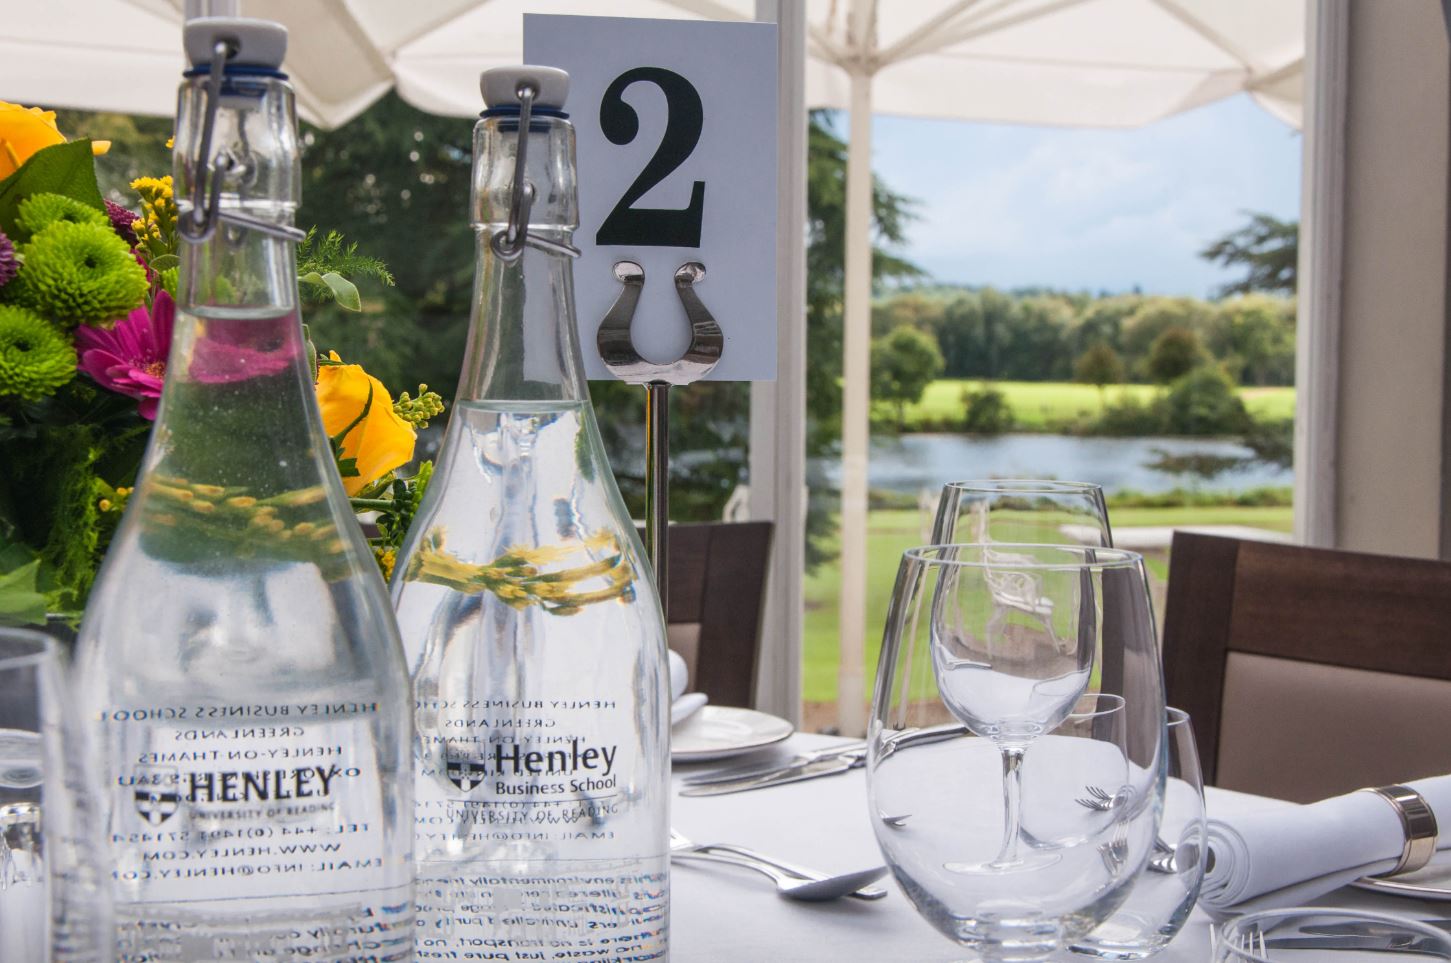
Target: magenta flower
x=121 y=221
x=130 y=358
x=240 y=349
x=9 y=266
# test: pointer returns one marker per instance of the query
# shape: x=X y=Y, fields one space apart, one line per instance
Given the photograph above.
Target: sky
x=1096 y=210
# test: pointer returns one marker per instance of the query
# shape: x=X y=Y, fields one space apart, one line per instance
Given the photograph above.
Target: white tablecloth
x=719 y=913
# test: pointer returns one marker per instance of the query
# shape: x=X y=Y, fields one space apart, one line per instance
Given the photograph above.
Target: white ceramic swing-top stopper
x=257 y=43
x=500 y=85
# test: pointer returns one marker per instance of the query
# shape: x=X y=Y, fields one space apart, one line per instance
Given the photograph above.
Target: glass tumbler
x=1165 y=893
x=52 y=906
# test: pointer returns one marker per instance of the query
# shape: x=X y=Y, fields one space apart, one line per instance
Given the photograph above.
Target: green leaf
x=164 y=262
x=67 y=169
x=345 y=292
x=20 y=602
x=333 y=253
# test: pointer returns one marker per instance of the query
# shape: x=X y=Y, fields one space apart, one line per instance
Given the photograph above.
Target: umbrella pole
x=856 y=412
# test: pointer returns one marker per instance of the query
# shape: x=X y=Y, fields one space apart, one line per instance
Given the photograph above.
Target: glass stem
x=1012 y=802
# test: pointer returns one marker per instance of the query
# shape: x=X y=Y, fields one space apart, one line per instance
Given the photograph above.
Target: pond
x=909 y=463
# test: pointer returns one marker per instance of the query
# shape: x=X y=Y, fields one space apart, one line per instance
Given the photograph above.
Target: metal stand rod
x=657 y=486
x=618 y=352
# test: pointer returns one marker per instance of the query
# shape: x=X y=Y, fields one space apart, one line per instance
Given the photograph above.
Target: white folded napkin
x=1289 y=855
x=682 y=704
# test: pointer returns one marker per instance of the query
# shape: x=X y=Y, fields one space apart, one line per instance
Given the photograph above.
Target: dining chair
x=718 y=576
x=1309 y=672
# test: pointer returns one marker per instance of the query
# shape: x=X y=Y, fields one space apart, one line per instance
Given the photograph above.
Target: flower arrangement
x=87 y=306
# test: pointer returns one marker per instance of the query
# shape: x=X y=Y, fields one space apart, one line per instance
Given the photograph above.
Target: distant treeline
x=1053 y=336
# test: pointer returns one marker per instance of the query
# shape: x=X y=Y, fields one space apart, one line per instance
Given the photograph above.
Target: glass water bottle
x=532 y=628
x=238 y=664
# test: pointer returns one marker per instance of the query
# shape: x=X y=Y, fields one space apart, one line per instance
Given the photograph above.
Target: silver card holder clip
x=617 y=349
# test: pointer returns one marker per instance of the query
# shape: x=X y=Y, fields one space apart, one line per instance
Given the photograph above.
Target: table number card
x=676 y=127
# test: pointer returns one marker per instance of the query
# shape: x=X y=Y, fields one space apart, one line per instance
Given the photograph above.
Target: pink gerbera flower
x=130 y=358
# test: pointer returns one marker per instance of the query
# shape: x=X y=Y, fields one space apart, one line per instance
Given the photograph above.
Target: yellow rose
x=380 y=442
x=23 y=131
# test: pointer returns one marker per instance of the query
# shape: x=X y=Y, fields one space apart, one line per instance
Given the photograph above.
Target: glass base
x=1130 y=935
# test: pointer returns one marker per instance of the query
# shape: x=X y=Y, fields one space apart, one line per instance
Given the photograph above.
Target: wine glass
x=1038 y=511
x=989 y=651
x=1165 y=894
x=52 y=903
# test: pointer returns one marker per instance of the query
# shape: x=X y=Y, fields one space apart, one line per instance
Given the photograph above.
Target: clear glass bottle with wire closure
x=532 y=628
x=238 y=664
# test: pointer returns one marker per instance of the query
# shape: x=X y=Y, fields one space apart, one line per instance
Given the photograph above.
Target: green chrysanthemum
x=169 y=278
x=40 y=211
x=79 y=274
x=35 y=358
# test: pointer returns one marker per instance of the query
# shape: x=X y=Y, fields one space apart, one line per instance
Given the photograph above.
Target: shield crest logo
x=157 y=798
x=465 y=773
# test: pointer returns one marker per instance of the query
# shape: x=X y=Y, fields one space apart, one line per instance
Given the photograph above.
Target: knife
x=763 y=769
x=1366 y=928
x=837 y=759
x=808 y=770
x=1421 y=946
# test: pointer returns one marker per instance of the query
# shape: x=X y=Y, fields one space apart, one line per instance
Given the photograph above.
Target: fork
x=1100 y=800
x=792 y=881
x=1115 y=852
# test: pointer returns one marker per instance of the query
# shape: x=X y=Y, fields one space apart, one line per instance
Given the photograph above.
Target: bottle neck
x=240 y=148
x=238 y=407
x=523 y=344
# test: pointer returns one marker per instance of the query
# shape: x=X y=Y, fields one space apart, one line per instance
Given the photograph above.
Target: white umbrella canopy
x=1073 y=63
x=125 y=55
x=1090 y=63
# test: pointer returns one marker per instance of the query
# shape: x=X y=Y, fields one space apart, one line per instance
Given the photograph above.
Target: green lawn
x=892 y=532
x=1038 y=404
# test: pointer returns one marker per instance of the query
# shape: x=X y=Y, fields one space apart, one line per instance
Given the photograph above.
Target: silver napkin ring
x=1417 y=822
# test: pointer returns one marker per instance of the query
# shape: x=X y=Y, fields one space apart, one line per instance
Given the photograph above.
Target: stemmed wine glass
x=1038 y=511
x=992 y=647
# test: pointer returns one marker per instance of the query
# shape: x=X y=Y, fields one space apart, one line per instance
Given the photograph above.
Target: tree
x=1034 y=346
x=1267 y=248
x=986 y=411
x=1175 y=353
x=825 y=285
x=1098 y=366
x=904 y=363
x=1102 y=320
x=1254 y=335
x=1205 y=402
x=1152 y=318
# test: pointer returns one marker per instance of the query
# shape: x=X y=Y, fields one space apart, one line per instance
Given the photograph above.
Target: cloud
x=1016 y=206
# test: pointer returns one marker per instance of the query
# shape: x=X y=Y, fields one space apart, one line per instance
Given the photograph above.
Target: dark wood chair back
x=718 y=583
x=1309 y=672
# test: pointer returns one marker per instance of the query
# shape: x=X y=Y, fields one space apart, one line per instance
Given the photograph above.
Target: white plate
x=719 y=732
x=1432 y=881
